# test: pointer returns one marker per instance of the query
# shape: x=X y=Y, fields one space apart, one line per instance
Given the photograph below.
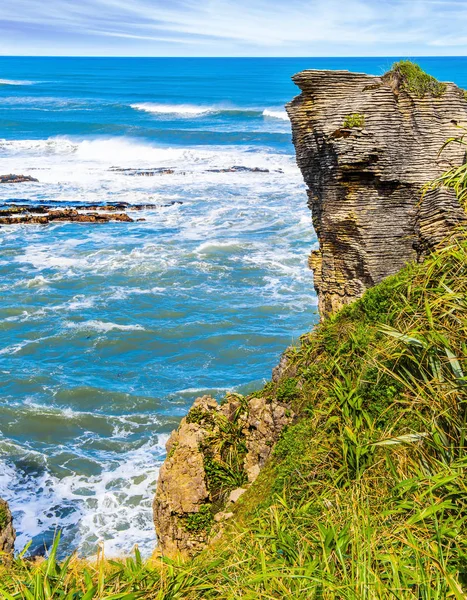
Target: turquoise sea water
x=109 y=332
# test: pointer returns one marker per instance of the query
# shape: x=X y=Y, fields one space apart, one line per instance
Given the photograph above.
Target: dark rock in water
x=16 y=178
x=142 y=172
x=239 y=169
x=14 y=206
x=17 y=214
x=7 y=532
x=23 y=216
x=365 y=180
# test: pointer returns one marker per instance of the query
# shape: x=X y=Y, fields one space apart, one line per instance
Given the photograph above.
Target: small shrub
x=354 y=120
x=454 y=178
x=411 y=78
x=198 y=415
x=201 y=521
x=287 y=391
x=224 y=476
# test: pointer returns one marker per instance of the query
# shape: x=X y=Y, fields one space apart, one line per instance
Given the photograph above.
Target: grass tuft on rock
x=354 y=120
x=411 y=78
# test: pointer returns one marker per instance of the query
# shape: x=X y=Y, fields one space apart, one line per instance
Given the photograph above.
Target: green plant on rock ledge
x=288 y=390
x=3 y=517
x=411 y=78
x=224 y=451
x=454 y=178
x=199 y=416
x=200 y=522
x=354 y=120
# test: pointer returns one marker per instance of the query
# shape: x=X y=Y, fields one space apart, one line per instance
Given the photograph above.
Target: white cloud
x=242 y=26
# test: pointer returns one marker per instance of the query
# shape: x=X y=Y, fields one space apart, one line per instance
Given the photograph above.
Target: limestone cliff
x=7 y=533
x=216 y=452
x=366 y=146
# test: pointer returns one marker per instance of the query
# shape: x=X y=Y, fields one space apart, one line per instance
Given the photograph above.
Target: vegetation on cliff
x=456 y=177
x=365 y=495
x=411 y=78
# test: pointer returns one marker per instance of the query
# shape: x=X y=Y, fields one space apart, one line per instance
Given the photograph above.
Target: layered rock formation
x=216 y=451
x=366 y=146
x=7 y=533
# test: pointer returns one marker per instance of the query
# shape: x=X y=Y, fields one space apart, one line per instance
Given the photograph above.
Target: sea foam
x=276 y=114
x=16 y=82
x=186 y=110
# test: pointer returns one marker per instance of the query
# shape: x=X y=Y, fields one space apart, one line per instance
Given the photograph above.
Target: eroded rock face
x=189 y=501
x=181 y=487
x=7 y=532
x=364 y=183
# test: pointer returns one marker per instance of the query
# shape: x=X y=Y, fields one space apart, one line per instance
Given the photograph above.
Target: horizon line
x=234 y=57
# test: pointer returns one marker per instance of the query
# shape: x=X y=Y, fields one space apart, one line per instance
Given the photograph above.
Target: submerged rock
x=366 y=146
x=239 y=169
x=143 y=172
x=7 y=532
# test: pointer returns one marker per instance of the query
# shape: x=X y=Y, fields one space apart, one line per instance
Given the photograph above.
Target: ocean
x=108 y=332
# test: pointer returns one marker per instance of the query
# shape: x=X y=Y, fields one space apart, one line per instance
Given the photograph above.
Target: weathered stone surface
x=183 y=487
x=7 y=532
x=11 y=178
x=364 y=183
x=264 y=423
x=236 y=494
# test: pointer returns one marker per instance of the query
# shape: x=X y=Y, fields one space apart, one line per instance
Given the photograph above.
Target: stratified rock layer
x=7 y=532
x=184 y=489
x=364 y=183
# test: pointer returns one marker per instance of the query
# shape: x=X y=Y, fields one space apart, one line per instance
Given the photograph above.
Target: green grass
x=200 y=521
x=354 y=120
x=365 y=495
x=411 y=78
x=454 y=178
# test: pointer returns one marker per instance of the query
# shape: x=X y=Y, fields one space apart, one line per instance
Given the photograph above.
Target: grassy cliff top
x=365 y=496
x=411 y=78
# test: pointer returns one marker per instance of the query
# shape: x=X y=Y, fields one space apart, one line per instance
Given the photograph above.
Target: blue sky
x=233 y=28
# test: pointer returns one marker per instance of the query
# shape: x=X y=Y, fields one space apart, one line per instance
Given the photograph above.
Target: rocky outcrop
x=216 y=451
x=366 y=146
x=68 y=214
x=7 y=532
x=16 y=178
x=19 y=214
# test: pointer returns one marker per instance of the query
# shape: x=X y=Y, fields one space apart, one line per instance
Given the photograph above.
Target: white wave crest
x=16 y=82
x=276 y=114
x=186 y=110
x=104 y=326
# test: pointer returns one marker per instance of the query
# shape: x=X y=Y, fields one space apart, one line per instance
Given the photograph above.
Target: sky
x=233 y=27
